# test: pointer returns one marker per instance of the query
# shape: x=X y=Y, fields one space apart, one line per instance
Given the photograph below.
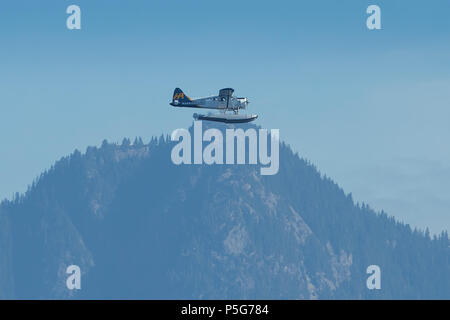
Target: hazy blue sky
x=369 y=108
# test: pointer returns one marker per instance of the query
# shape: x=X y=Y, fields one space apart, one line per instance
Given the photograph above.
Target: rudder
x=179 y=95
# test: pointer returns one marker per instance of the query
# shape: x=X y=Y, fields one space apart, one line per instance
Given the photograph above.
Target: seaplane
x=227 y=105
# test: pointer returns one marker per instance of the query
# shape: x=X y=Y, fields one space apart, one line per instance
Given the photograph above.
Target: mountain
x=140 y=227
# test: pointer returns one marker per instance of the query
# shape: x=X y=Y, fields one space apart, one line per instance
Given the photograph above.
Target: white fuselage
x=215 y=102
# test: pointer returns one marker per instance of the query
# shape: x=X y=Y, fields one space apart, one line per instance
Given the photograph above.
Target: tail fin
x=179 y=95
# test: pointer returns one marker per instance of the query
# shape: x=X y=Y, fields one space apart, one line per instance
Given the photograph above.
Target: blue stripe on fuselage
x=186 y=104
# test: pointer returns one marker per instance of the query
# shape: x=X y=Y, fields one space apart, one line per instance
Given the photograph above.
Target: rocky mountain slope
x=141 y=227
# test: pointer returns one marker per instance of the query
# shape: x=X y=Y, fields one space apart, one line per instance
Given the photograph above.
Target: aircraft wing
x=226 y=92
